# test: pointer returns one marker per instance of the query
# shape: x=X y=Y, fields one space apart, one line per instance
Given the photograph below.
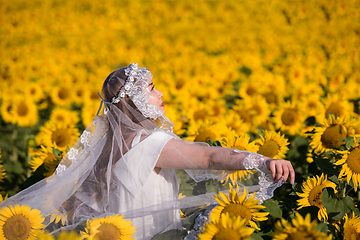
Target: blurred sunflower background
x=276 y=77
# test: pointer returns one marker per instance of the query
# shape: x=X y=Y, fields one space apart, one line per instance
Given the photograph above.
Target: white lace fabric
x=266 y=182
x=136 y=87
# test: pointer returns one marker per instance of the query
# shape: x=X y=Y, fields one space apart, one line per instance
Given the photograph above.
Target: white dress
x=144 y=197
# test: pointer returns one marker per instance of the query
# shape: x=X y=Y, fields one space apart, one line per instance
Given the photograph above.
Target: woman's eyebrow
x=150 y=84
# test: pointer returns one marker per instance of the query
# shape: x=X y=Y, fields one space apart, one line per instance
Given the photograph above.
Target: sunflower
x=351 y=227
x=207 y=130
x=312 y=192
x=314 y=107
x=64 y=115
x=45 y=156
x=337 y=105
x=90 y=94
x=239 y=206
x=88 y=112
x=272 y=144
x=57 y=134
x=25 y=112
x=7 y=111
x=62 y=95
x=301 y=228
x=34 y=91
x=112 y=227
x=245 y=114
x=350 y=164
x=260 y=109
x=289 y=118
x=234 y=121
x=274 y=89
x=327 y=136
x=240 y=143
x=57 y=217
x=20 y=222
x=3 y=198
x=227 y=228
x=198 y=111
x=249 y=89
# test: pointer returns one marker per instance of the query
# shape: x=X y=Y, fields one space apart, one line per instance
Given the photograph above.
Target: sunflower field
x=277 y=77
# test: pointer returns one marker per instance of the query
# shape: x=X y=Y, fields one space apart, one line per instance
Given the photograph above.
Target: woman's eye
x=153 y=87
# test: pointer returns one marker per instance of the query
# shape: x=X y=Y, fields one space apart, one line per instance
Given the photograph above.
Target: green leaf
x=313 y=210
x=255 y=236
x=335 y=207
x=56 y=152
x=349 y=142
x=322 y=227
x=273 y=208
x=334 y=179
x=213 y=143
x=326 y=166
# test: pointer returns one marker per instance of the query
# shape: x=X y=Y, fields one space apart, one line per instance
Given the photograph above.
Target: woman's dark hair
x=111 y=89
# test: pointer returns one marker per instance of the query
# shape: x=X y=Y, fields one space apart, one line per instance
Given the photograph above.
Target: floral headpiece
x=136 y=87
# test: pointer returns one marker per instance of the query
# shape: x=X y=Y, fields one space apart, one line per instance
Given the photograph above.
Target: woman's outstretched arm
x=181 y=155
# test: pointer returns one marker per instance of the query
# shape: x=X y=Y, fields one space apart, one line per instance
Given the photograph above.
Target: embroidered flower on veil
x=85 y=138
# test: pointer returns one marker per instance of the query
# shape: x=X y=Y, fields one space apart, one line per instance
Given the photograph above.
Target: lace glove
x=267 y=184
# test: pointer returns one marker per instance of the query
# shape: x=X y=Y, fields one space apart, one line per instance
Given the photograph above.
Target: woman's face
x=155 y=98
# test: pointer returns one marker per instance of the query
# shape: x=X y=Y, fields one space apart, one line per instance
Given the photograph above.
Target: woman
x=124 y=163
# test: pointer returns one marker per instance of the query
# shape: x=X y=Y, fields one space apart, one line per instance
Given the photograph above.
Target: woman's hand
x=280 y=168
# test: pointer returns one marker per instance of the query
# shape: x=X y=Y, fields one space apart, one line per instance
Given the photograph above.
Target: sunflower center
x=330 y=137
x=179 y=84
x=269 y=149
x=17 y=227
x=270 y=98
x=205 y=135
x=61 y=137
x=289 y=117
x=315 y=196
x=60 y=118
x=23 y=109
x=258 y=109
x=350 y=233
x=246 y=117
x=80 y=92
x=353 y=160
x=200 y=115
x=63 y=93
x=238 y=210
x=251 y=91
x=108 y=231
x=226 y=234
x=94 y=95
x=312 y=105
x=335 y=109
x=301 y=235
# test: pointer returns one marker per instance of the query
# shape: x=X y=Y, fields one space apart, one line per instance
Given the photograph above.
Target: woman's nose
x=160 y=94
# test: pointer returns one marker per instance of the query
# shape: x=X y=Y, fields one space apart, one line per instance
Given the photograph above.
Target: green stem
x=14 y=148
x=344 y=190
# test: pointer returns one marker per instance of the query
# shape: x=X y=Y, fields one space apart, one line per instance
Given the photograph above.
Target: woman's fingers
x=281 y=168
x=292 y=174
x=279 y=171
x=285 y=173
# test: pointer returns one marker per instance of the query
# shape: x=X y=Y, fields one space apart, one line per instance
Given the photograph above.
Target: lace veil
x=85 y=185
